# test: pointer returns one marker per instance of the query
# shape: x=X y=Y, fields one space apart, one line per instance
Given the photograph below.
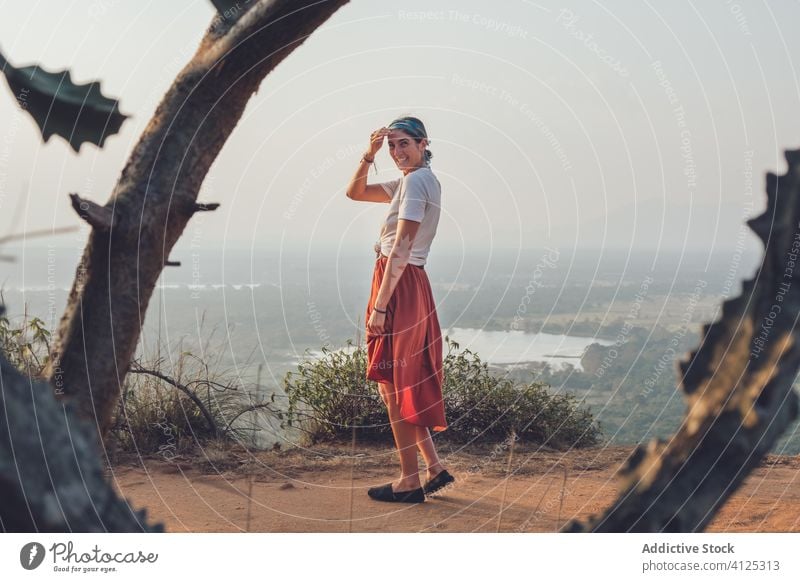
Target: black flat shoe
x=441 y=480
x=386 y=493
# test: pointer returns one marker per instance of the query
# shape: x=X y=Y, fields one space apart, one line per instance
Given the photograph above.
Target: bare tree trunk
x=738 y=385
x=51 y=477
x=156 y=195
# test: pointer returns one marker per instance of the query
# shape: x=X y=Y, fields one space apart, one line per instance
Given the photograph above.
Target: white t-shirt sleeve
x=391 y=187
x=414 y=199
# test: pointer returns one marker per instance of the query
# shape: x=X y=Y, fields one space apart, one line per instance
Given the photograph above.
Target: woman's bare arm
x=358 y=189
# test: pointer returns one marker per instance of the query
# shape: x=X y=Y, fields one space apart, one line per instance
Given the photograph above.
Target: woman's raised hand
x=376 y=140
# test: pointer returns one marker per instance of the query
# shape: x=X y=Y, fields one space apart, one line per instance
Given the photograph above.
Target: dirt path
x=324 y=490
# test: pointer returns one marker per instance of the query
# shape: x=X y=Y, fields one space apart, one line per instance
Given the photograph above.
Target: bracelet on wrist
x=371 y=162
x=378 y=310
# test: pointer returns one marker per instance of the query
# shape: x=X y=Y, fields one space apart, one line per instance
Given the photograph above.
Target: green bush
x=26 y=345
x=330 y=396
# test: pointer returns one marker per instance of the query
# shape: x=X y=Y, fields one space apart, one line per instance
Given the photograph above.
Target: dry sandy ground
x=324 y=490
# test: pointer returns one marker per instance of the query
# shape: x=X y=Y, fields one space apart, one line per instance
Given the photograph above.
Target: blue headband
x=413 y=128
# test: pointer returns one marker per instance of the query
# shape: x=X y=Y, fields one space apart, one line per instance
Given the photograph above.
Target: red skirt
x=408 y=355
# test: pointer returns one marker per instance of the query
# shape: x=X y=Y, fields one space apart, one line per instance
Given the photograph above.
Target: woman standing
x=404 y=341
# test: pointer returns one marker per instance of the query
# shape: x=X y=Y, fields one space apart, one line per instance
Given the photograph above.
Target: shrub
x=159 y=411
x=169 y=412
x=26 y=345
x=330 y=396
x=153 y=417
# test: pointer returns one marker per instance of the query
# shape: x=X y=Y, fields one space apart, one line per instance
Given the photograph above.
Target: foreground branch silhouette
x=51 y=476
x=738 y=386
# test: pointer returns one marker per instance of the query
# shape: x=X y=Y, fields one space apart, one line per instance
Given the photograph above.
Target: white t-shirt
x=416 y=196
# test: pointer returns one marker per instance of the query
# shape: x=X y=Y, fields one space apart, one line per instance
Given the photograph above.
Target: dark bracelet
x=378 y=310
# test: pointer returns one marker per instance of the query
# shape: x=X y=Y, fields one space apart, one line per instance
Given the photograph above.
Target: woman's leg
x=405 y=437
x=428 y=450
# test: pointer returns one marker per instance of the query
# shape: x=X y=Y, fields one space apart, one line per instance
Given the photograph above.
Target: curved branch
x=251 y=408
x=137 y=369
x=156 y=195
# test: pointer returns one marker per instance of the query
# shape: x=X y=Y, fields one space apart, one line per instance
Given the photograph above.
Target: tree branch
x=738 y=385
x=205 y=207
x=157 y=192
x=100 y=217
x=138 y=369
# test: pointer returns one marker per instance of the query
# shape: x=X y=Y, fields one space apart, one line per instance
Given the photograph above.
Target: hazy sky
x=574 y=124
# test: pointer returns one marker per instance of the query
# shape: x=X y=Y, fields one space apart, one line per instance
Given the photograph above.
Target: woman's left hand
x=376 y=323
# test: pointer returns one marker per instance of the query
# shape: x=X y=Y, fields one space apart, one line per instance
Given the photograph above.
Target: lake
x=520 y=347
x=514 y=347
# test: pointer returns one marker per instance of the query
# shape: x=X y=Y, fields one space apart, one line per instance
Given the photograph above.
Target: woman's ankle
x=410 y=482
x=434 y=470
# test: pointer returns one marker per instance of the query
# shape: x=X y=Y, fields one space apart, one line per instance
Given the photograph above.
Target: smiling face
x=405 y=151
